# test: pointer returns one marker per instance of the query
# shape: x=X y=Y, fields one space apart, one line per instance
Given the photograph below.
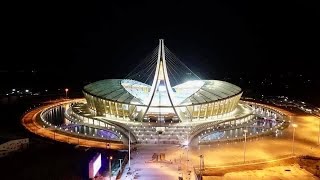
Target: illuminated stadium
x=163 y=101
x=159 y=101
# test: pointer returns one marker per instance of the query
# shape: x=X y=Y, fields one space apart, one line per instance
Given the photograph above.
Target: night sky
x=71 y=44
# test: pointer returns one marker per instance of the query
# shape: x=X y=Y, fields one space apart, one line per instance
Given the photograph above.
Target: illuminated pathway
x=29 y=121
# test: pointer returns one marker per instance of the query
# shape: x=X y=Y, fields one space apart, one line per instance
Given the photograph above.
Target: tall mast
x=161 y=73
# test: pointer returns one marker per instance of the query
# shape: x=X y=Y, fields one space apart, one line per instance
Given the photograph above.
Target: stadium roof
x=202 y=91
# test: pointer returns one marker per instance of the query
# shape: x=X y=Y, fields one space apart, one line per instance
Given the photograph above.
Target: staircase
x=171 y=135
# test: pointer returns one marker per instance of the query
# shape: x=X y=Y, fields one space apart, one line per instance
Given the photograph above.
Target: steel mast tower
x=161 y=75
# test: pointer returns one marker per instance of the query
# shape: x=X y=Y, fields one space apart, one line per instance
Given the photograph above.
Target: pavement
x=142 y=169
x=264 y=148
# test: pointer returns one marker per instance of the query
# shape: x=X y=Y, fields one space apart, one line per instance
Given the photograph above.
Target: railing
x=122 y=166
x=268 y=131
x=215 y=124
x=122 y=129
x=63 y=131
x=203 y=127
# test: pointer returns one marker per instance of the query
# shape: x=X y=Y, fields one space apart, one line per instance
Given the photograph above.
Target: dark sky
x=86 y=41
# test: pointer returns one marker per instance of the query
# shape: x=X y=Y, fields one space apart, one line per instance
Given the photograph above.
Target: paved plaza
x=142 y=168
x=264 y=149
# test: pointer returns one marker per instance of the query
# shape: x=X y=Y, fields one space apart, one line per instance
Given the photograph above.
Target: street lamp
x=319 y=130
x=110 y=159
x=201 y=165
x=66 y=90
x=244 y=147
x=129 y=150
x=294 y=130
x=54 y=133
x=187 y=143
x=78 y=138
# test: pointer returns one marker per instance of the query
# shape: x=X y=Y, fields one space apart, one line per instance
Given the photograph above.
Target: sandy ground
x=272 y=173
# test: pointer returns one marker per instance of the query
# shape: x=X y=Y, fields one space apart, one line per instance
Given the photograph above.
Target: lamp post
x=244 y=146
x=129 y=150
x=188 y=151
x=66 y=90
x=54 y=133
x=110 y=172
x=78 y=138
x=294 y=130
x=319 y=130
x=201 y=166
x=180 y=160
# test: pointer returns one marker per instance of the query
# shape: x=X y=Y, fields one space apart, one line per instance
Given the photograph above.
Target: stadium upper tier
x=193 y=92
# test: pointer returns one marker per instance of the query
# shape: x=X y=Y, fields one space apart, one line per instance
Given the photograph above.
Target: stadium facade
x=159 y=101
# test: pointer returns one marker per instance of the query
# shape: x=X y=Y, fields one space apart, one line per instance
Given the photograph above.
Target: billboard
x=94 y=165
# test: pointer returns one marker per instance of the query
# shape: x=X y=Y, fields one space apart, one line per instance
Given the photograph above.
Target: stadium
x=162 y=102
x=192 y=100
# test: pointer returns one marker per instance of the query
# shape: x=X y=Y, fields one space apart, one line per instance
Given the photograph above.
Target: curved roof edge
x=210 y=91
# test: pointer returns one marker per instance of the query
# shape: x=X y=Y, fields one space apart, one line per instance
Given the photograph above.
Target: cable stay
x=145 y=70
x=178 y=72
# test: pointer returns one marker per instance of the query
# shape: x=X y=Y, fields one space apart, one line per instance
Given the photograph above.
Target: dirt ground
x=272 y=173
x=304 y=167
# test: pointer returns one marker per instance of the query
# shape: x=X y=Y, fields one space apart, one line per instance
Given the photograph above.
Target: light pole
x=110 y=172
x=319 y=131
x=244 y=147
x=294 y=130
x=129 y=150
x=188 y=151
x=180 y=160
x=78 y=138
x=54 y=133
x=66 y=90
x=201 y=166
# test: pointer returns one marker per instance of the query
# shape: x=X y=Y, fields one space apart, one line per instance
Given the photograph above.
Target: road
x=29 y=121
